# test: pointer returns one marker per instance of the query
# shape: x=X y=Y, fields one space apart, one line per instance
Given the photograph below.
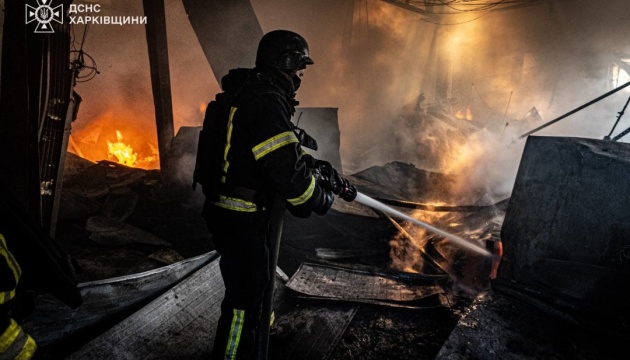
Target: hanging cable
x=79 y=63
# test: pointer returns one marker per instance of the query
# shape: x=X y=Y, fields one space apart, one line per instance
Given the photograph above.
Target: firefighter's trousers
x=241 y=240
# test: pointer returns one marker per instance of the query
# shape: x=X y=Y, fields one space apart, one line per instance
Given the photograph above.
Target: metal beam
x=160 y=76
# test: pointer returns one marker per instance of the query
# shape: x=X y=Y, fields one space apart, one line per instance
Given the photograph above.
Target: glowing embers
x=126 y=155
x=464 y=114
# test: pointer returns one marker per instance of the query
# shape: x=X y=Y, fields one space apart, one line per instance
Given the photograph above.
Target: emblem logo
x=44 y=14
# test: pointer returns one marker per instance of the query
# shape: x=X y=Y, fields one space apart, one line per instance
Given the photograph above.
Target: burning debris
x=131 y=148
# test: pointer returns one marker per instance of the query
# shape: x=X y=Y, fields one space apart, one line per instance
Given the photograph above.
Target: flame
x=118 y=134
x=126 y=155
x=464 y=115
x=121 y=151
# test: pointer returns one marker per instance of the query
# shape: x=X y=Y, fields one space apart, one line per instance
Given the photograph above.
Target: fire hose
x=368 y=201
x=331 y=180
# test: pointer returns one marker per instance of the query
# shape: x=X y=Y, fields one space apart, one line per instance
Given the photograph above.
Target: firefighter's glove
x=329 y=178
x=324 y=174
x=323 y=201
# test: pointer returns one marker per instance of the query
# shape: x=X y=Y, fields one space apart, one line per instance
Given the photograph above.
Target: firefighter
x=248 y=153
x=14 y=342
x=28 y=257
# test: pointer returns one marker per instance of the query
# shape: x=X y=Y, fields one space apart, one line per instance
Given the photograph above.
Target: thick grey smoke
x=373 y=60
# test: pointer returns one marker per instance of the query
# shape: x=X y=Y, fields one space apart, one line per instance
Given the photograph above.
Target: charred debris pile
x=116 y=220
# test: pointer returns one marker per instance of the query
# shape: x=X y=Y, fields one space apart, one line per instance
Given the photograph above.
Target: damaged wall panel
x=227 y=31
x=566 y=230
x=323 y=125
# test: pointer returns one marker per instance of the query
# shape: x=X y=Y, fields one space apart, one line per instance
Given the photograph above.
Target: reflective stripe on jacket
x=261 y=152
x=14 y=342
x=10 y=272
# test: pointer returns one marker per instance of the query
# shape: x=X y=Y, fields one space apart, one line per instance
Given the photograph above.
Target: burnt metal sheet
x=103 y=300
x=308 y=331
x=111 y=232
x=76 y=207
x=565 y=233
x=406 y=181
x=329 y=282
x=100 y=179
x=328 y=253
x=179 y=324
x=120 y=204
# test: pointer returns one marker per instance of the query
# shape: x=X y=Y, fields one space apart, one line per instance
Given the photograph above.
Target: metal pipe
x=619 y=115
x=575 y=110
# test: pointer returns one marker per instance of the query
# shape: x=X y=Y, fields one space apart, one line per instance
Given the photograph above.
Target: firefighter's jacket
x=14 y=342
x=46 y=267
x=260 y=155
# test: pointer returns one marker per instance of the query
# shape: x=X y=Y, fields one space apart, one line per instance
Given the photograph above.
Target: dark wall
x=566 y=233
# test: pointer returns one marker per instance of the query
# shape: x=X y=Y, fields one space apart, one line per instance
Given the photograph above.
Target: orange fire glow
x=120 y=134
x=121 y=151
x=460 y=159
x=405 y=253
x=465 y=115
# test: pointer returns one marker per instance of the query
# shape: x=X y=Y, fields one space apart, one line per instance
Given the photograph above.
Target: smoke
x=124 y=81
x=373 y=60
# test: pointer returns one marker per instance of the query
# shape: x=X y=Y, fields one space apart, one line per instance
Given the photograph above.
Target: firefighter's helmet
x=283 y=49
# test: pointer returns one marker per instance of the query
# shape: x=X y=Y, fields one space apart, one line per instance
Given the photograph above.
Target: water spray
x=368 y=201
x=328 y=177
